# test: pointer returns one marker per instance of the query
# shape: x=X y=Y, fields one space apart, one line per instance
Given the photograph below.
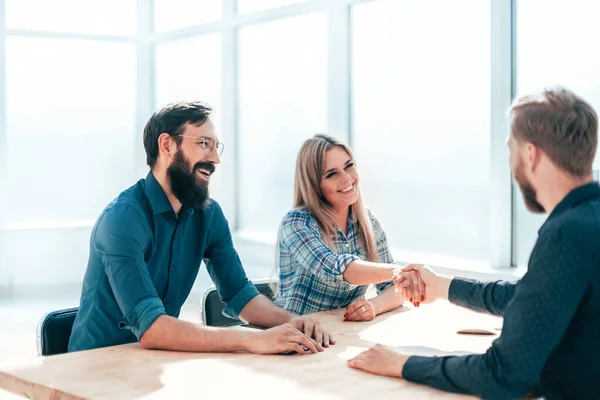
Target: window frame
x=339 y=112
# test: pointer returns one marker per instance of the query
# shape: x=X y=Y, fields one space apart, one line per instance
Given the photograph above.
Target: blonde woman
x=330 y=247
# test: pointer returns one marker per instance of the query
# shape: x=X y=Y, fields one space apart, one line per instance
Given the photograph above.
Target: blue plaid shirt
x=310 y=273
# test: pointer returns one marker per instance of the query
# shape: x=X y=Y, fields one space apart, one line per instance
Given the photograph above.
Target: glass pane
x=549 y=56
x=421 y=101
x=283 y=101
x=190 y=69
x=109 y=17
x=71 y=126
x=176 y=14
x=248 y=6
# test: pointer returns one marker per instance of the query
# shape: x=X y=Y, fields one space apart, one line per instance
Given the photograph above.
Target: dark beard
x=529 y=194
x=188 y=188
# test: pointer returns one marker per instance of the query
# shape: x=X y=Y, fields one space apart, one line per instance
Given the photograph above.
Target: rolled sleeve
x=120 y=239
x=384 y=285
x=239 y=300
x=301 y=235
x=343 y=260
x=225 y=268
x=143 y=316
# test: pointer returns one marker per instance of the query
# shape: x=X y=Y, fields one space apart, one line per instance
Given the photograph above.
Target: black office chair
x=54 y=331
x=212 y=306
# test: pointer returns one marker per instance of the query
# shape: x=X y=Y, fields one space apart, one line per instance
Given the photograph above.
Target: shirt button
x=347 y=244
x=176 y=237
x=172 y=269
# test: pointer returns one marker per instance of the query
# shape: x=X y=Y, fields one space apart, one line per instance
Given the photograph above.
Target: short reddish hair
x=561 y=124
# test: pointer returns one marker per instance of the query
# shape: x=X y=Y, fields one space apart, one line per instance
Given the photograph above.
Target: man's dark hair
x=172 y=119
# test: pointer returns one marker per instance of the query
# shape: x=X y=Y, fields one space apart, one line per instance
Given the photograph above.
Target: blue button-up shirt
x=143 y=261
x=311 y=274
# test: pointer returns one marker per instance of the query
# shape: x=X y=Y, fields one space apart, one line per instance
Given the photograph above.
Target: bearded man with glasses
x=147 y=246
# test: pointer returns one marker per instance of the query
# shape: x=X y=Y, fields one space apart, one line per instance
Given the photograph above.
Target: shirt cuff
x=384 y=285
x=343 y=260
x=417 y=368
x=239 y=301
x=460 y=290
x=143 y=316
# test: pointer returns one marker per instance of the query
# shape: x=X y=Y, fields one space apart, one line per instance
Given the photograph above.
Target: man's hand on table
x=281 y=339
x=419 y=284
x=313 y=329
x=380 y=360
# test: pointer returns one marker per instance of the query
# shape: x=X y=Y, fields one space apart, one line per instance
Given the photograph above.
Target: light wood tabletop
x=128 y=371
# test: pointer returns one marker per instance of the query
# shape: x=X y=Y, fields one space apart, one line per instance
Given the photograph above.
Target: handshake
x=420 y=285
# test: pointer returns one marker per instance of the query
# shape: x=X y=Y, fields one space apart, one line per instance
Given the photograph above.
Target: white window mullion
x=229 y=116
x=3 y=127
x=502 y=90
x=145 y=80
x=338 y=73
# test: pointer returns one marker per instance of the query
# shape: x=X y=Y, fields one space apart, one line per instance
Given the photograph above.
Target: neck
x=163 y=181
x=558 y=188
x=341 y=216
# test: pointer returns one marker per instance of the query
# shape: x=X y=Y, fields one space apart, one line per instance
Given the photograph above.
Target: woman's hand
x=360 y=310
x=421 y=282
x=411 y=284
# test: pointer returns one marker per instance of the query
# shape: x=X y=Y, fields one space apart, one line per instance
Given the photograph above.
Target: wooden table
x=128 y=371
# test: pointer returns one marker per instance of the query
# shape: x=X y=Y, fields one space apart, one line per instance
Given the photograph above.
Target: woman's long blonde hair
x=310 y=167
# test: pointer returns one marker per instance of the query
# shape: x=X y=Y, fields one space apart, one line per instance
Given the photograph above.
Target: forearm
x=471 y=374
x=490 y=297
x=168 y=333
x=537 y=314
x=360 y=272
x=263 y=312
x=388 y=300
x=534 y=324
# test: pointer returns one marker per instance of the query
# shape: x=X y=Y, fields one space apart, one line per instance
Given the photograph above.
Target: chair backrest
x=54 y=331
x=212 y=306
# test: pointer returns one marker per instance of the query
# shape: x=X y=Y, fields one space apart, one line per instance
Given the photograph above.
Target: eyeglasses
x=207 y=144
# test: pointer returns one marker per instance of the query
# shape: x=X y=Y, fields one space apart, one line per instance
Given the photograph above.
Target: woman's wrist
x=387 y=301
x=393 y=271
x=376 y=306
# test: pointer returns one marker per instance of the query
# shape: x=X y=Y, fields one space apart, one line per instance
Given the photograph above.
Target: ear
x=534 y=156
x=166 y=145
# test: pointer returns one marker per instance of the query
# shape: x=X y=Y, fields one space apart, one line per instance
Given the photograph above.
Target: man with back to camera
x=147 y=246
x=550 y=341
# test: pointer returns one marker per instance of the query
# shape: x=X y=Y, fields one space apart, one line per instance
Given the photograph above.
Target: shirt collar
x=352 y=219
x=352 y=223
x=573 y=198
x=158 y=199
x=156 y=195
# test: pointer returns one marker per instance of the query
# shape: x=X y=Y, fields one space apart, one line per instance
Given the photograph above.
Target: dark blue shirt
x=550 y=341
x=143 y=261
